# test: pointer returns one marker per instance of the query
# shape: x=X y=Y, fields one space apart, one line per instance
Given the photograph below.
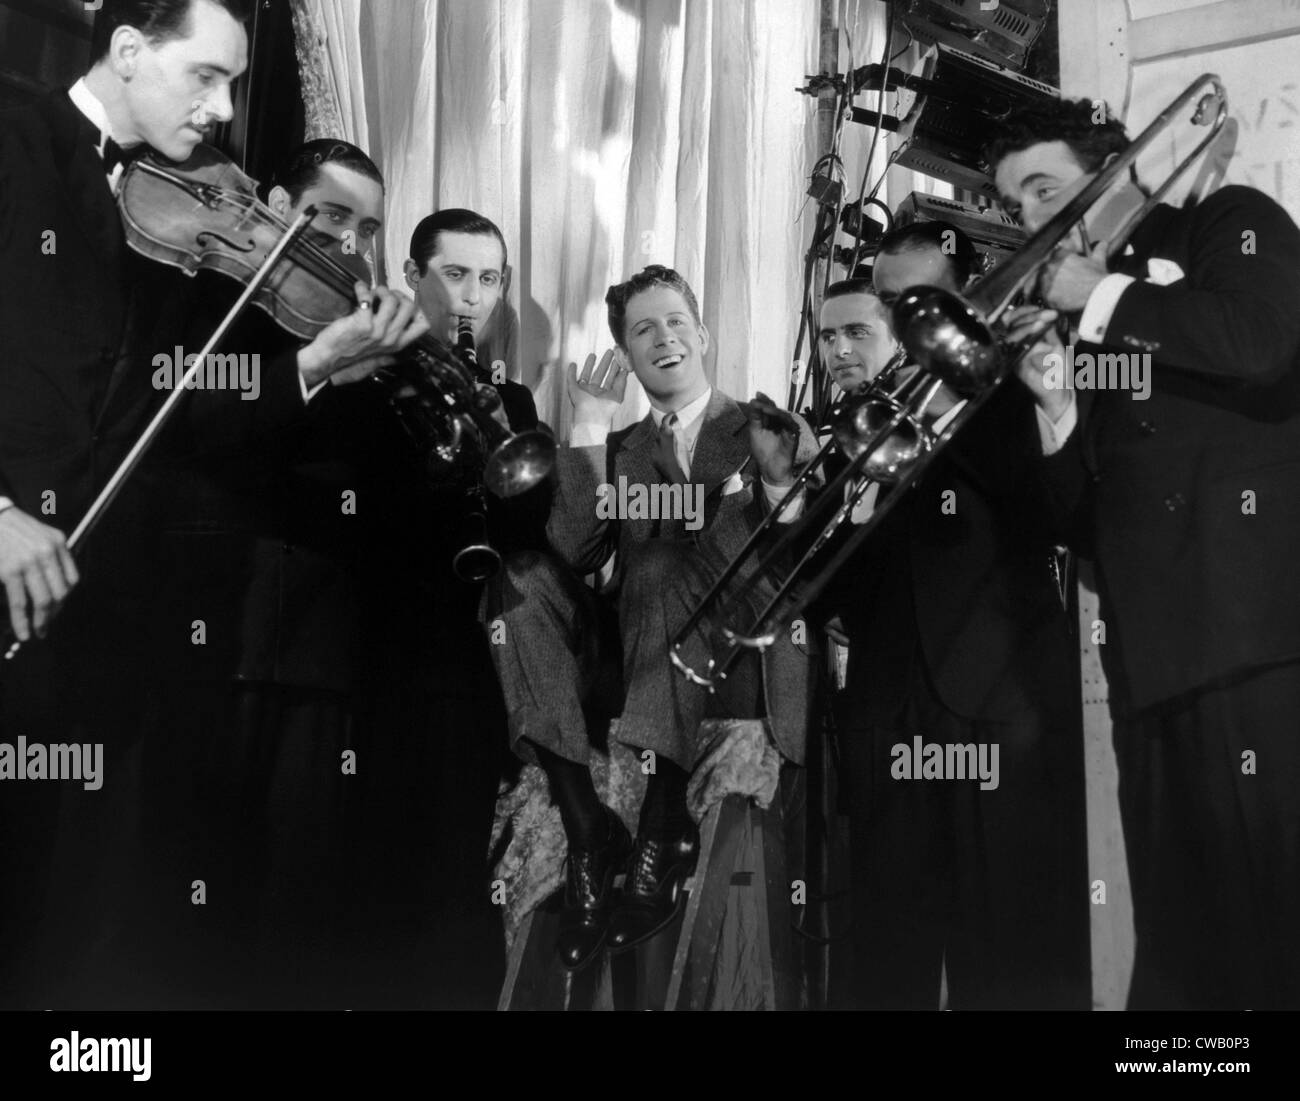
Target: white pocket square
x=1163 y=272
x=734 y=484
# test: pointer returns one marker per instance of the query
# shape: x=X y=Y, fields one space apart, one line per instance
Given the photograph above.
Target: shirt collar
x=84 y=100
x=689 y=417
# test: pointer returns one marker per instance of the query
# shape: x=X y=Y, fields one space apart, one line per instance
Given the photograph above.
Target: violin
x=205 y=214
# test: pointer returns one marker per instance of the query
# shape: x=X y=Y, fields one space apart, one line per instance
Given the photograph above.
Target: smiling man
x=559 y=639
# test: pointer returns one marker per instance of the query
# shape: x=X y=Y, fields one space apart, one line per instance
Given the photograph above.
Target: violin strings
x=314 y=259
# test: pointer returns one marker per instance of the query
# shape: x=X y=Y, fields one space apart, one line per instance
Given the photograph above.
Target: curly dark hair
x=1069 y=120
x=656 y=275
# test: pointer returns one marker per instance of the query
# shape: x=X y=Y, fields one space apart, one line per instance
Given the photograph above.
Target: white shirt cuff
x=307 y=394
x=1101 y=304
x=1054 y=434
x=774 y=494
x=587 y=435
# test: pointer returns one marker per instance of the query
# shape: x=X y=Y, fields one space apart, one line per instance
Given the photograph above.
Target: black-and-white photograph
x=650 y=505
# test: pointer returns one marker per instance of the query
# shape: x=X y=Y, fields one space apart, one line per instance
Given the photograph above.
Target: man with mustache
x=82 y=317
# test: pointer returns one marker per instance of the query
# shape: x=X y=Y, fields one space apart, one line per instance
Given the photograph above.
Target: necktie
x=666 y=451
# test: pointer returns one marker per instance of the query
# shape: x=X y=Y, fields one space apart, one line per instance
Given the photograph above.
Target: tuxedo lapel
x=74 y=141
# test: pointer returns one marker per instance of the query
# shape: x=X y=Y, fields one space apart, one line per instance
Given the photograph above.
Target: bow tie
x=114 y=155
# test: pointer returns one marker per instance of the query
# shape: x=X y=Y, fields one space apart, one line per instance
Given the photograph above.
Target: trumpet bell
x=890 y=459
x=948 y=338
x=519 y=463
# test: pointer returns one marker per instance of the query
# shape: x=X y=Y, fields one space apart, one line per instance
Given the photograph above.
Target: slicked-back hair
x=1067 y=120
x=846 y=287
x=656 y=275
x=302 y=169
x=961 y=255
x=424 y=241
x=158 y=20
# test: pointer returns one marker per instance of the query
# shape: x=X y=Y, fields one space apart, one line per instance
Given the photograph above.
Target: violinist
x=82 y=317
x=271 y=506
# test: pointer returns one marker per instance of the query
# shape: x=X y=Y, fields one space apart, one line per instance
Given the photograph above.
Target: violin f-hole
x=208 y=235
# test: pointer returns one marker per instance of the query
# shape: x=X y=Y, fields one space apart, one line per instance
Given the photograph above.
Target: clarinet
x=478 y=559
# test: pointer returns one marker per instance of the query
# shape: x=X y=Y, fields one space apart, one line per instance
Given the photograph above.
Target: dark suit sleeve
x=223 y=422
x=1234 y=314
x=1067 y=495
x=582 y=537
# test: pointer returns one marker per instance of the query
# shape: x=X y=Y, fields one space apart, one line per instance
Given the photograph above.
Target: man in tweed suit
x=729 y=466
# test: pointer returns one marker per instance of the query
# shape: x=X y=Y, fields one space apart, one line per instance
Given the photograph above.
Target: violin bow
x=114 y=484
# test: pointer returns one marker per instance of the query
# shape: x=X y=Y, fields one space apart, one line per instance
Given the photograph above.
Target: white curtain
x=602 y=136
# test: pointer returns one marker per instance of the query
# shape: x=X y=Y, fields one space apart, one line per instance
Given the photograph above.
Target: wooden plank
x=1212 y=27
x=1112 y=936
x=1094 y=50
x=776 y=947
x=710 y=887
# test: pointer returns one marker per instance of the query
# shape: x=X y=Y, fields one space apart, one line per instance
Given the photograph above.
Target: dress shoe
x=589 y=895
x=652 y=892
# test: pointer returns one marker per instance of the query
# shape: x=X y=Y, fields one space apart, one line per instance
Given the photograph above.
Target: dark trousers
x=1209 y=792
x=989 y=884
x=429 y=765
x=69 y=856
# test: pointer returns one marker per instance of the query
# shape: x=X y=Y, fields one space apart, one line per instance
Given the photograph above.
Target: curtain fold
x=602 y=136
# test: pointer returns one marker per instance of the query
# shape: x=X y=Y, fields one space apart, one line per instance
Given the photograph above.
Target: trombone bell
x=861 y=424
x=948 y=338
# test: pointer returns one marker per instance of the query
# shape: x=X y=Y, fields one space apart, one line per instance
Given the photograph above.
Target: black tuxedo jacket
x=307 y=530
x=81 y=317
x=959 y=577
x=1190 y=501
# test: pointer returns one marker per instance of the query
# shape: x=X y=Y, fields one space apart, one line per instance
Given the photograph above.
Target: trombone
x=953 y=339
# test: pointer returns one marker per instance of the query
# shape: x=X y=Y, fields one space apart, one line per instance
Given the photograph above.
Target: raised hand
x=596 y=392
x=773 y=438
